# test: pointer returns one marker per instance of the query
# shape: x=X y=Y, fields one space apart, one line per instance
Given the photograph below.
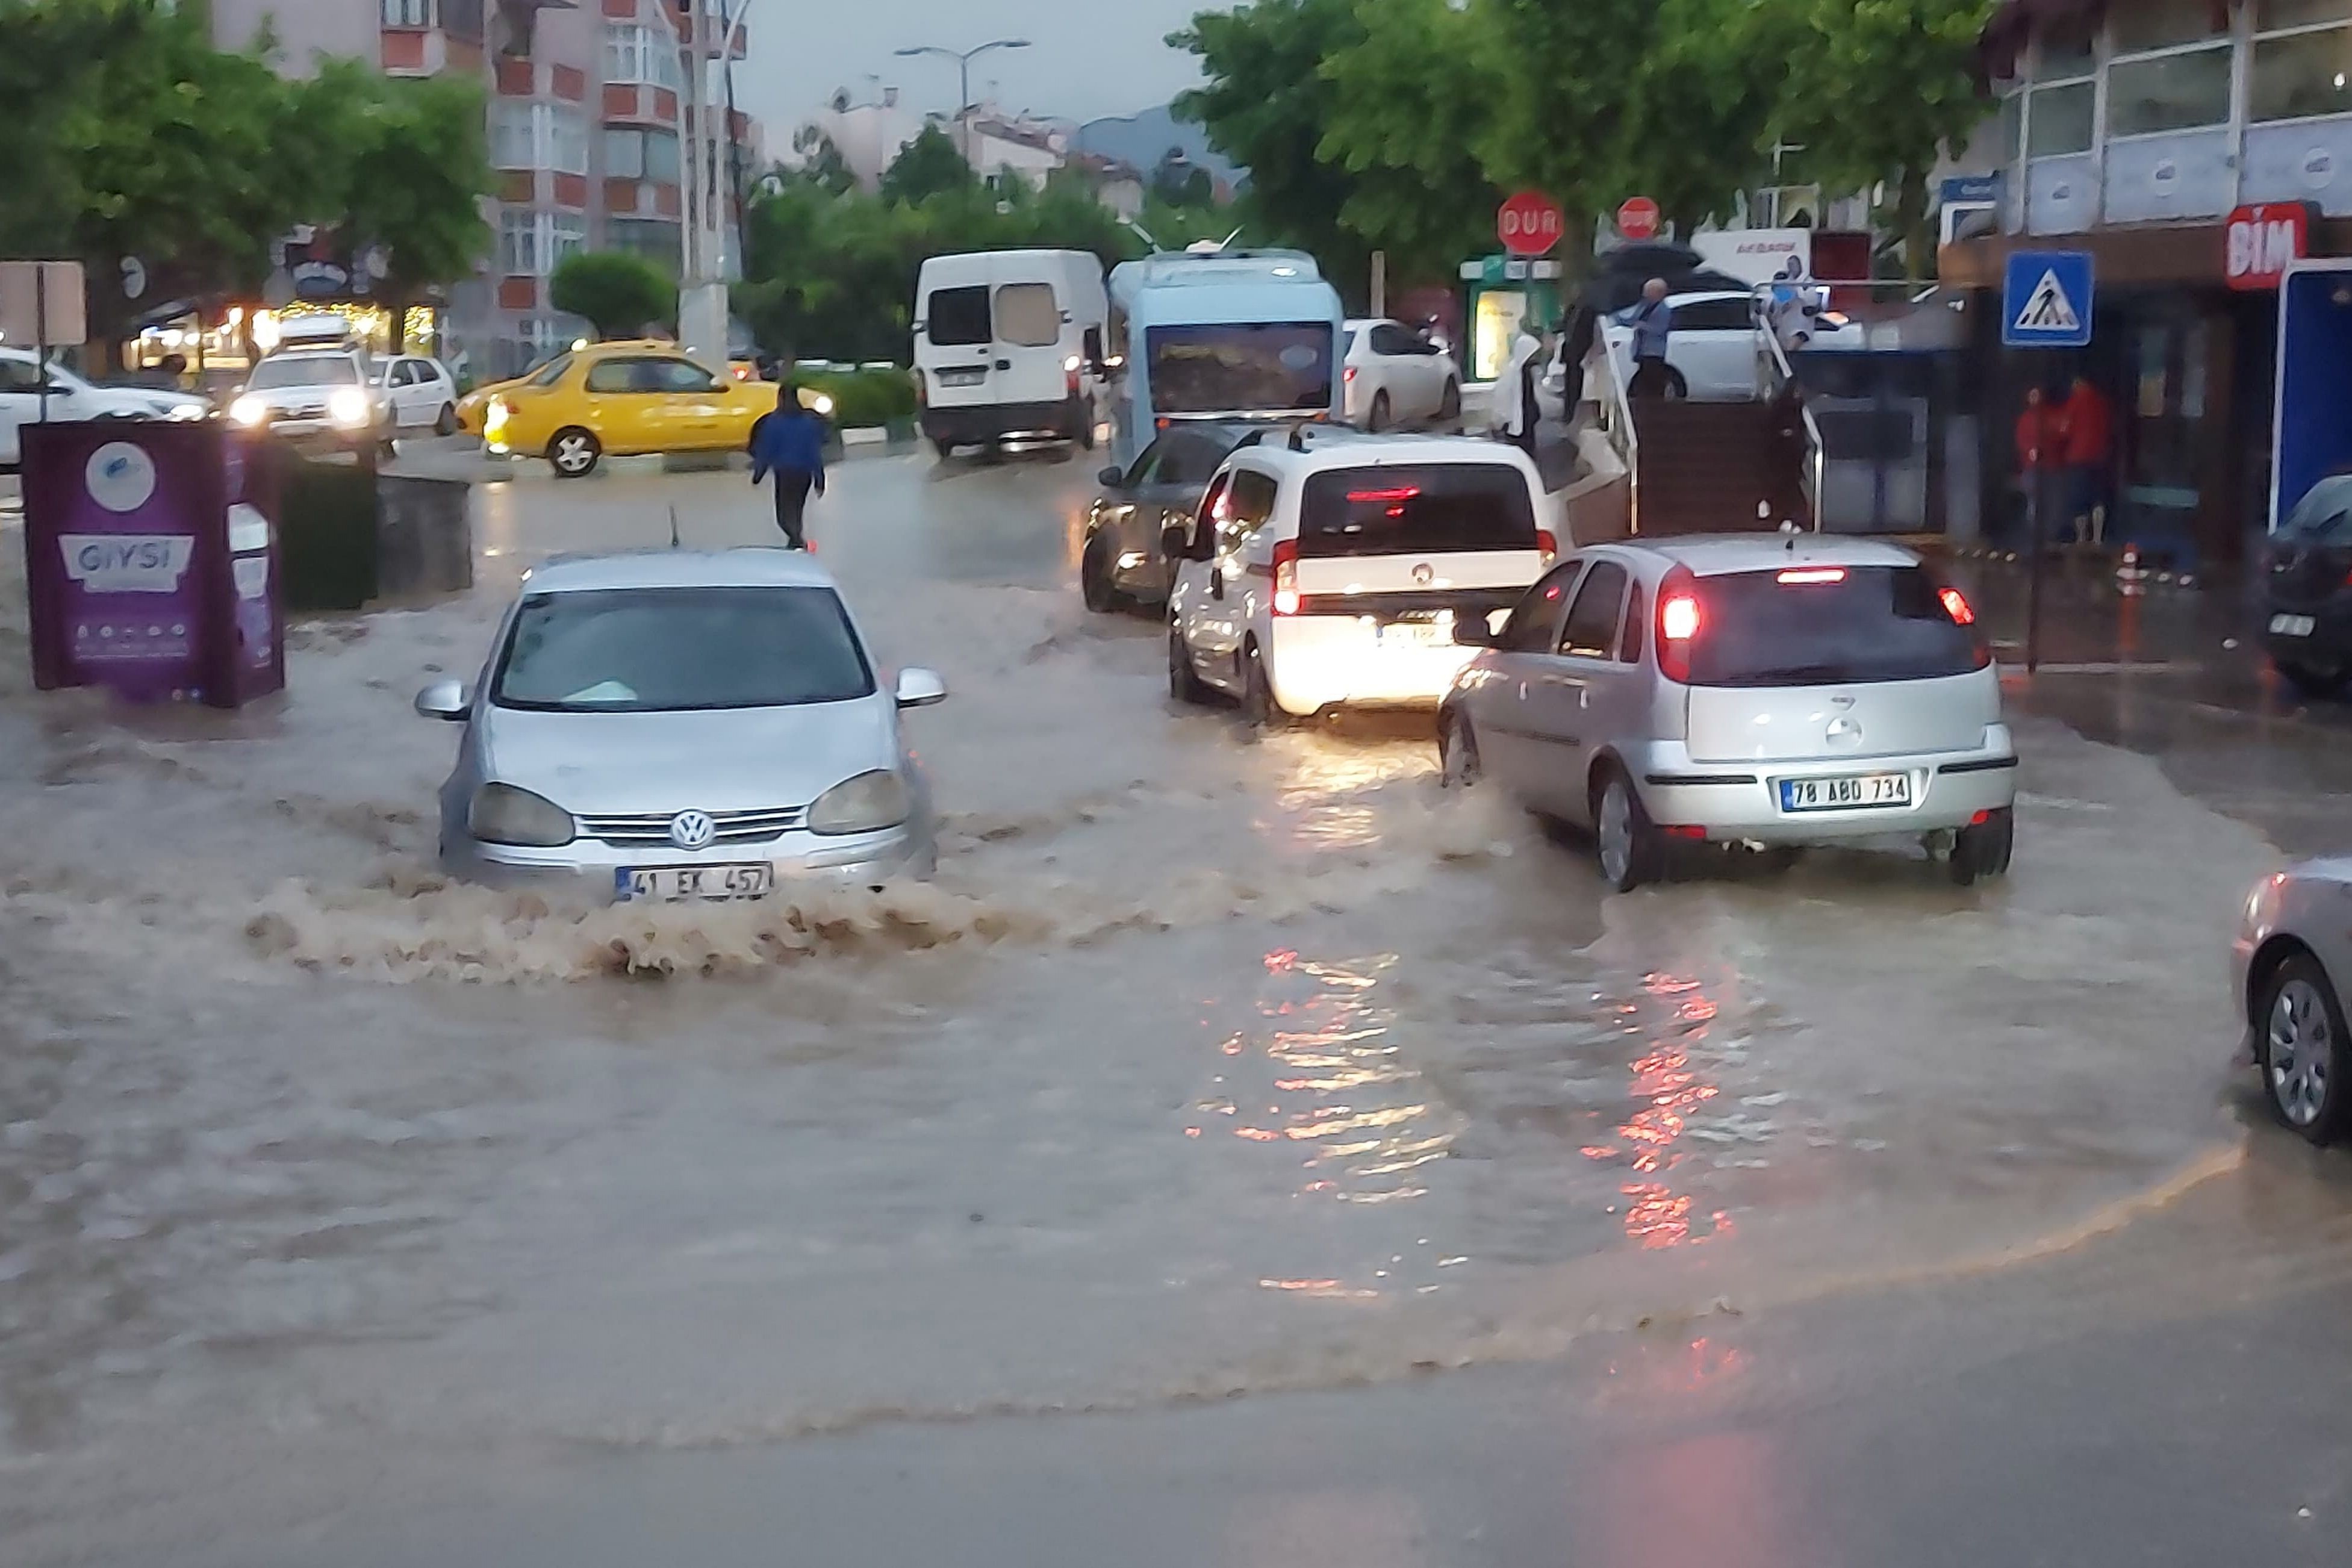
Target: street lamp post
x=963 y=58
x=702 y=308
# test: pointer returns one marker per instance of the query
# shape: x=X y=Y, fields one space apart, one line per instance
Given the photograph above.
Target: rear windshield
x=959 y=317
x=1873 y=623
x=1236 y=368
x=1416 y=511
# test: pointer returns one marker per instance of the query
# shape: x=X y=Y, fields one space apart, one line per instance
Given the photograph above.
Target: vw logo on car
x=692 y=830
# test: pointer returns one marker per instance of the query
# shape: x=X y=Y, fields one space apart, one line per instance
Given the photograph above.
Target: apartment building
x=2138 y=130
x=588 y=122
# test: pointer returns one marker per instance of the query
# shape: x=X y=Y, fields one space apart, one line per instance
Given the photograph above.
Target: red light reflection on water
x=1670 y=1090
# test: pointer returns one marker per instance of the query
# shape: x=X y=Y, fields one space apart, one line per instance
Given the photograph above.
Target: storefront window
x=2162 y=23
x=2300 y=75
x=2063 y=118
x=2012 y=127
x=2169 y=92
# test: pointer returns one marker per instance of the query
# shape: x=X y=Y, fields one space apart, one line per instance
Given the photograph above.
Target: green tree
x=1180 y=181
x=929 y=165
x=822 y=163
x=1412 y=100
x=409 y=167
x=618 y=291
x=1875 y=89
x=1267 y=105
x=1697 y=121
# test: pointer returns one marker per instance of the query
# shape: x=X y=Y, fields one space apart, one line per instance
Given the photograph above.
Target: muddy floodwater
x=1209 y=1064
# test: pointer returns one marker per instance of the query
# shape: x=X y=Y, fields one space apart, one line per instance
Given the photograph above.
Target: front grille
x=734 y=826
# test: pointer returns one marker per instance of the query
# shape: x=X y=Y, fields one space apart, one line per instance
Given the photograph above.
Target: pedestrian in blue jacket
x=790 y=444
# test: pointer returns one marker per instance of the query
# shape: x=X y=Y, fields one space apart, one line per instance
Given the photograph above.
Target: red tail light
x=1810 y=575
x=1351 y=373
x=1546 y=545
x=1285 y=577
x=1680 y=616
x=1402 y=492
x=1956 y=605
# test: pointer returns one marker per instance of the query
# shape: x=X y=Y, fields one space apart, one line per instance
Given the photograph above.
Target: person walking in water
x=790 y=444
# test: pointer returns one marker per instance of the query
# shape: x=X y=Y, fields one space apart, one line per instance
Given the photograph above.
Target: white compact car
x=423 y=394
x=72 y=397
x=1327 y=569
x=1393 y=375
x=1778 y=690
x=320 y=396
x=1713 y=354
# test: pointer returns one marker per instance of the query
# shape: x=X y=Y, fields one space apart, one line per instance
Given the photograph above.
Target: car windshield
x=1240 y=368
x=2324 y=515
x=1866 y=623
x=304 y=370
x=552 y=372
x=665 y=650
x=1416 y=511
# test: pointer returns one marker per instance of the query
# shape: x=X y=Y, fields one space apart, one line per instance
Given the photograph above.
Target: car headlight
x=502 y=813
x=823 y=404
x=867 y=804
x=349 y=407
x=248 y=410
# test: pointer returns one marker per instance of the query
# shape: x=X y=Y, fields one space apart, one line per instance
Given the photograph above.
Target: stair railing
x=1779 y=374
x=1617 y=422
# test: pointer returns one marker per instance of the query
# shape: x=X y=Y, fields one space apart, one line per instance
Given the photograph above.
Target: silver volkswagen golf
x=1779 y=690
x=2294 y=948
x=678 y=725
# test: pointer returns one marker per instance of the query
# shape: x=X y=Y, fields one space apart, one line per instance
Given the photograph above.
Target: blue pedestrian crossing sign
x=2046 y=300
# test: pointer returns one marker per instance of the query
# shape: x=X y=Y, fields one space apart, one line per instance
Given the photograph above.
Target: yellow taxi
x=625 y=399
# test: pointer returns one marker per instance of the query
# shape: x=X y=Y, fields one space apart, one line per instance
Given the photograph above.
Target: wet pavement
x=349 y=1214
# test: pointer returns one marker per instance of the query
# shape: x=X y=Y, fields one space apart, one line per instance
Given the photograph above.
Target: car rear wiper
x=1795 y=674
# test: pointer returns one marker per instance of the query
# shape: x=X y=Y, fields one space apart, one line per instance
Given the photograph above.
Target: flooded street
x=1210 y=1066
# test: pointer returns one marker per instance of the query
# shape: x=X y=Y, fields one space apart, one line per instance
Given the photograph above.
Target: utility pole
x=702 y=307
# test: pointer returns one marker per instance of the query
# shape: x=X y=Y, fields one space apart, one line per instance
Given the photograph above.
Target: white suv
x=1773 y=689
x=1327 y=569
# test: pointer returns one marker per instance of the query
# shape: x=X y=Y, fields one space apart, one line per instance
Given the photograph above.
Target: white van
x=1010 y=344
x=1327 y=569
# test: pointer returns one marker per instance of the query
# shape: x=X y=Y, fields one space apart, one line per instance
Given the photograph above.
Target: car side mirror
x=1471 y=630
x=447 y=699
x=921 y=688
x=1176 y=542
x=1114 y=476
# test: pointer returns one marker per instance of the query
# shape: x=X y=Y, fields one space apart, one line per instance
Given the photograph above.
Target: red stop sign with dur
x=1638 y=218
x=1530 y=224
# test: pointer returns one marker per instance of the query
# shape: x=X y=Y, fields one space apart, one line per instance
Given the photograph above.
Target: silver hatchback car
x=1778 y=690
x=675 y=726
x=2294 y=947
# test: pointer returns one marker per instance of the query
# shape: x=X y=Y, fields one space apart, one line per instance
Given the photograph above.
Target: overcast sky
x=1087 y=59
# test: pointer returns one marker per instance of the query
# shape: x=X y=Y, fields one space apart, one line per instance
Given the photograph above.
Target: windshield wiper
x=1799 y=674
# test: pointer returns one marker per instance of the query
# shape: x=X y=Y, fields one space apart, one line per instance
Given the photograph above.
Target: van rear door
x=1028 y=366
x=1418 y=537
x=958 y=346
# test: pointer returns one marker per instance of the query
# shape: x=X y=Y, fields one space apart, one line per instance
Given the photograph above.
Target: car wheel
x=573 y=454
x=1457 y=752
x=1378 y=419
x=1184 y=682
x=943 y=447
x=1984 y=849
x=1625 y=841
x=2313 y=682
x=1449 y=406
x=2301 y=1042
x=1096 y=584
x=445 y=422
x=1083 y=417
x=1675 y=385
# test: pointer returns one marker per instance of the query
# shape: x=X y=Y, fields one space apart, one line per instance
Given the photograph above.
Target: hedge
x=864 y=398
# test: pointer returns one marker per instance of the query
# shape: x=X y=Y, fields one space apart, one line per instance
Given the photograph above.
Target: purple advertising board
x=150 y=563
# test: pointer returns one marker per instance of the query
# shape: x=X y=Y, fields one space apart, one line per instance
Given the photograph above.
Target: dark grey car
x=1122 y=566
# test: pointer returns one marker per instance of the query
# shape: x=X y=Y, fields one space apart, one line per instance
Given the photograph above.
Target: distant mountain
x=1142 y=139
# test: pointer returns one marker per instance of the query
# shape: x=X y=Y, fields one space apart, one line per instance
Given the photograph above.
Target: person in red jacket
x=2040 y=447
x=2090 y=441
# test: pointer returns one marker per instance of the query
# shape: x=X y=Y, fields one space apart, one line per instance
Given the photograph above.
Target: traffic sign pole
x=2047 y=300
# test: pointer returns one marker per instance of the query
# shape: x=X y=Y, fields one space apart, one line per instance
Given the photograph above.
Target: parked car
x=1712 y=355
x=1328 y=569
x=682 y=725
x=2292 y=948
x=1122 y=566
x=2309 y=625
x=316 y=397
x=423 y=394
x=1394 y=376
x=1780 y=691
x=72 y=397
x=620 y=399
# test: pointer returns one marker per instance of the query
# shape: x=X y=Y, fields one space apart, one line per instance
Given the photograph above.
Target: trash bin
x=150 y=563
